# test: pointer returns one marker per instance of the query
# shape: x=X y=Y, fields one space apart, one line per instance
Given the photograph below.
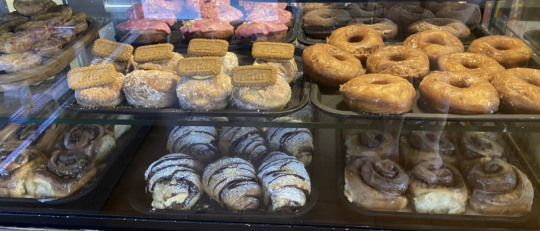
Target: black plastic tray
x=299 y=98
x=513 y=155
x=177 y=40
x=120 y=157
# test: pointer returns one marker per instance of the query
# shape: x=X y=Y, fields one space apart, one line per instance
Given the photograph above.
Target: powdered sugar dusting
x=150 y=88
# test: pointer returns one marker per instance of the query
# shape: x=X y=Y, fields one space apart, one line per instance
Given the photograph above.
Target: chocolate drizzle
x=199 y=142
x=69 y=164
x=246 y=143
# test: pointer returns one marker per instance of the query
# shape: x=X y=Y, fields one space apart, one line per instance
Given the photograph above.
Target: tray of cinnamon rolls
x=230 y=172
x=61 y=163
x=448 y=175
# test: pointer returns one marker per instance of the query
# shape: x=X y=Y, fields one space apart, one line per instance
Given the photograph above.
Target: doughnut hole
x=396 y=58
x=462 y=84
x=356 y=39
x=380 y=82
x=433 y=40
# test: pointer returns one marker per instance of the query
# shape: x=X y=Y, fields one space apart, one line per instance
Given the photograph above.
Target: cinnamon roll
x=376 y=184
x=14 y=134
x=232 y=182
x=426 y=145
x=174 y=181
x=13 y=177
x=372 y=143
x=498 y=188
x=477 y=147
x=200 y=142
x=286 y=183
x=66 y=173
x=243 y=142
x=437 y=187
x=93 y=140
x=296 y=142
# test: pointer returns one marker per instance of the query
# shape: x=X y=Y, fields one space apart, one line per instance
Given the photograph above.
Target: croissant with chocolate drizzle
x=243 y=142
x=421 y=146
x=477 y=147
x=376 y=184
x=297 y=142
x=66 y=173
x=91 y=139
x=232 y=182
x=499 y=188
x=200 y=142
x=13 y=177
x=437 y=187
x=372 y=143
x=286 y=183
x=174 y=181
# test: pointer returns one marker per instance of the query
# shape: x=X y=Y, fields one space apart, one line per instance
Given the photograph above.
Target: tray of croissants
x=263 y=80
x=229 y=171
x=63 y=163
x=454 y=175
x=40 y=38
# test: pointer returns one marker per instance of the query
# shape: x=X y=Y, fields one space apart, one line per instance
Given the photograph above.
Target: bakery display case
x=269 y=115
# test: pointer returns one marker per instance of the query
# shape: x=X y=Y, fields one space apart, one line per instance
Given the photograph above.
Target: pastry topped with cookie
x=280 y=55
x=157 y=57
x=214 y=47
x=97 y=86
x=120 y=55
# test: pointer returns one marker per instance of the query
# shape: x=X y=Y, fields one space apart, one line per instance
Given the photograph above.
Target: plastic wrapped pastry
x=174 y=181
x=285 y=182
x=421 y=146
x=200 y=142
x=244 y=142
x=13 y=177
x=297 y=142
x=232 y=182
x=372 y=143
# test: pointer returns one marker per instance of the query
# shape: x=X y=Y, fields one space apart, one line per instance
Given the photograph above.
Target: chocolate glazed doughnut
x=457 y=93
x=386 y=28
x=405 y=14
x=467 y=13
x=320 y=23
x=473 y=64
x=498 y=188
x=518 y=90
x=407 y=62
x=330 y=65
x=360 y=41
x=435 y=43
x=372 y=144
x=376 y=184
x=509 y=52
x=366 y=10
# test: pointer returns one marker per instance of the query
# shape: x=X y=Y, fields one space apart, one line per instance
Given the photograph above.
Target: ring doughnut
x=405 y=14
x=379 y=94
x=319 y=6
x=435 y=43
x=472 y=63
x=518 y=90
x=454 y=26
x=457 y=93
x=321 y=23
x=436 y=6
x=406 y=62
x=509 y=52
x=467 y=13
x=360 y=41
x=330 y=65
x=386 y=28
x=365 y=10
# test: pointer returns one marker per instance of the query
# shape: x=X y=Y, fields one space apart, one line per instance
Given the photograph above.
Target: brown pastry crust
x=320 y=23
x=477 y=147
x=509 y=52
x=56 y=19
x=454 y=26
x=63 y=36
x=405 y=14
x=31 y=7
x=75 y=25
x=47 y=48
x=12 y=20
x=467 y=13
x=203 y=95
x=150 y=88
x=360 y=41
x=263 y=98
x=64 y=11
x=39 y=30
x=286 y=69
x=19 y=61
x=435 y=43
x=93 y=140
x=472 y=63
x=144 y=36
x=109 y=95
x=386 y=28
x=518 y=90
x=13 y=178
x=330 y=65
x=379 y=93
x=409 y=63
x=223 y=35
x=15 y=42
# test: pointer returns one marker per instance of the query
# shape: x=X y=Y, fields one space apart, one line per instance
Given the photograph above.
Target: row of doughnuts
x=439 y=177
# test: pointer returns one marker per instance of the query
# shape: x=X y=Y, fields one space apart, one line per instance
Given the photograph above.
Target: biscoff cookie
x=92 y=76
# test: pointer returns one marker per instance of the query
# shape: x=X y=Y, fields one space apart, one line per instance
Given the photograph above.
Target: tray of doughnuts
x=444 y=174
x=211 y=91
x=230 y=172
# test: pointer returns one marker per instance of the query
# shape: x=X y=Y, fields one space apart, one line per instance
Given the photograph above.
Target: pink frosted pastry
x=229 y=14
x=154 y=12
x=175 y=6
x=249 y=6
x=194 y=6
x=148 y=31
x=262 y=31
x=271 y=14
x=207 y=28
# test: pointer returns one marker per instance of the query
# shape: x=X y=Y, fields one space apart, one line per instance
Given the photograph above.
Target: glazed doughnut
x=406 y=62
x=509 y=52
x=321 y=23
x=454 y=26
x=360 y=41
x=435 y=43
x=330 y=65
x=365 y=10
x=467 y=13
x=386 y=28
x=457 y=93
x=474 y=64
x=320 y=6
x=404 y=15
x=379 y=94
x=518 y=90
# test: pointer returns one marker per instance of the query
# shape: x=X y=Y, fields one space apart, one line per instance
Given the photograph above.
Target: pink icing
x=268 y=14
x=146 y=11
x=229 y=14
x=255 y=27
x=205 y=25
x=249 y=6
x=143 y=24
x=175 y=6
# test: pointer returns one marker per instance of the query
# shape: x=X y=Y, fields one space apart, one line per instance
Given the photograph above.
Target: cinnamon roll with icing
x=200 y=142
x=232 y=182
x=477 y=147
x=421 y=146
x=13 y=177
x=174 y=181
x=94 y=140
x=243 y=142
x=297 y=142
x=286 y=183
x=498 y=188
x=66 y=173
x=372 y=143
x=376 y=184
x=438 y=188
